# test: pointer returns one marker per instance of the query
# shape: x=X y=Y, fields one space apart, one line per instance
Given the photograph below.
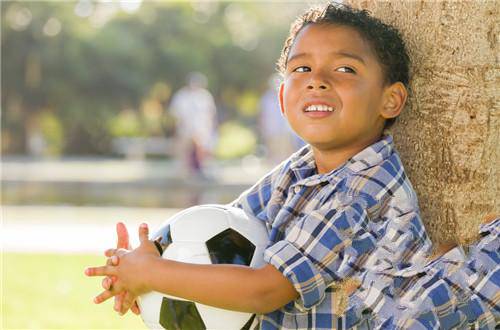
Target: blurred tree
x=88 y=64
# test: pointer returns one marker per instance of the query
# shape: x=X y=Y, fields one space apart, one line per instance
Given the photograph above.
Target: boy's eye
x=302 y=69
x=345 y=69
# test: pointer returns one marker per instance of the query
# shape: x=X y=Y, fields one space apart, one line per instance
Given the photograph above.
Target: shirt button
x=296 y=189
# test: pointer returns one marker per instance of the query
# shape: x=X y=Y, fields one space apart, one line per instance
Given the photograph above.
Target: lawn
x=50 y=291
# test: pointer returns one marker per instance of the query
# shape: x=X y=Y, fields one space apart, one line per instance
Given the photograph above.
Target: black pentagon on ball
x=230 y=247
x=180 y=315
x=183 y=315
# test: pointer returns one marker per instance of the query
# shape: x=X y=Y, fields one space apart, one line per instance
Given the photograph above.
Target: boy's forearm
x=231 y=287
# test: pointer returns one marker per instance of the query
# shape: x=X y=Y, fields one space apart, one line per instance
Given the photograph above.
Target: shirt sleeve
x=403 y=242
x=456 y=290
x=451 y=294
x=326 y=245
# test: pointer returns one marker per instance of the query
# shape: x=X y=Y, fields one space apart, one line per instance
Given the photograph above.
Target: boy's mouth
x=318 y=107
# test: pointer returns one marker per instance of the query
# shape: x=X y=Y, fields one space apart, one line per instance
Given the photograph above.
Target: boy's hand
x=107 y=284
x=124 y=300
x=128 y=268
x=123 y=242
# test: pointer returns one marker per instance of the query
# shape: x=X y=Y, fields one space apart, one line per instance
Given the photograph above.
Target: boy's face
x=333 y=68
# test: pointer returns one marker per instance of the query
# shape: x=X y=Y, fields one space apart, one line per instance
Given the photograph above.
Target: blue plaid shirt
x=327 y=227
x=459 y=290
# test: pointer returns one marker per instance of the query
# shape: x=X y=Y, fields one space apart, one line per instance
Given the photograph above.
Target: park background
x=86 y=134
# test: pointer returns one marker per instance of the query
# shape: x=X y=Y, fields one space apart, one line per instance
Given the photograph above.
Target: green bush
x=235 y=140
x=52 y=132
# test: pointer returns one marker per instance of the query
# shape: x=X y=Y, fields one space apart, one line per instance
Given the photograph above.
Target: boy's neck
x=328 y=159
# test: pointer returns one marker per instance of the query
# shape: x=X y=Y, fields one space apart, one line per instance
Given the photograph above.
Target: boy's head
x=345 y=59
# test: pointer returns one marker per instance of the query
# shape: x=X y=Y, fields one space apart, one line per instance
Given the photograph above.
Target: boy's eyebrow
x=296 y=56
x=335 y=53
x=350 y=55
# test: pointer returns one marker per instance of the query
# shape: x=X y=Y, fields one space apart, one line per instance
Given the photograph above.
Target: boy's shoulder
x=377 y=174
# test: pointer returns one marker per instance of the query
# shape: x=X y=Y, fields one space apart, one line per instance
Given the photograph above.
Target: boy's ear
x=282 y=106
x=395 y=99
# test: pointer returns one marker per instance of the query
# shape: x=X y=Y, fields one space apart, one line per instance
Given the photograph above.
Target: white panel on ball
x=149 y=305
x=192 y=252
x=199 y=225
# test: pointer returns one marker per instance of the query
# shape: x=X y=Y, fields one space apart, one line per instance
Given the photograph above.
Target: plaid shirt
x=327 y=227
x=458 y=290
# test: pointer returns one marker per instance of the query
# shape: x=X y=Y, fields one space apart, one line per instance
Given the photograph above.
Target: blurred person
x=194 y=109
x=279 y=140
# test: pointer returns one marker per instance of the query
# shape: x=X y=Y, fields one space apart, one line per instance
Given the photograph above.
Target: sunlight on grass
x=42 y=291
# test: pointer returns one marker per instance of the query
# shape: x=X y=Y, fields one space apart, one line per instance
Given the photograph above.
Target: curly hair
x=385 y=40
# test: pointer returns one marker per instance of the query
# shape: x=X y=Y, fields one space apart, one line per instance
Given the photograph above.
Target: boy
x=331 y=204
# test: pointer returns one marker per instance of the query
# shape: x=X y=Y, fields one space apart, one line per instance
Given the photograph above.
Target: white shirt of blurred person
x=194 y=109
x=279 y=139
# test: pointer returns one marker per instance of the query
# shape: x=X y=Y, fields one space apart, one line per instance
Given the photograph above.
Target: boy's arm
x=231 y=287
x=226 y=286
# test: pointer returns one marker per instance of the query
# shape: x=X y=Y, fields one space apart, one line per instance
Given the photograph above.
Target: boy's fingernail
x=87 y=271
x=144 y=225
x=96 y=300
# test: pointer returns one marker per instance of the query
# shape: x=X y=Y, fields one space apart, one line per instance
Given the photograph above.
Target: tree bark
x=448 y=135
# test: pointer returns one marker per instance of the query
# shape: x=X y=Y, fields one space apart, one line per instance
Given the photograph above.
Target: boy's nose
x=317 y=86
x=318 y=82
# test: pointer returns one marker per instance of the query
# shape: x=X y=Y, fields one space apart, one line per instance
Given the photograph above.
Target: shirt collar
x=303 y=164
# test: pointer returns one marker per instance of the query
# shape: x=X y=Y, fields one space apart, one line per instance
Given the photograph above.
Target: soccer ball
x=207 y=234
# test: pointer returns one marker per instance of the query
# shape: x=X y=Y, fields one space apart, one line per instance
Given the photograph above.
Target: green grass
x=50 y=291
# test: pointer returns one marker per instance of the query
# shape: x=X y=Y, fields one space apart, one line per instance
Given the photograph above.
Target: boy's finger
x=123 y=237
x=107 y=282
x=110 y=252
x=120 y=252
x=100 y=271
x=103 y=296
x=128 y=300
x=143 y=232
x=135 y=308
x=113 y=261
x=118 y=302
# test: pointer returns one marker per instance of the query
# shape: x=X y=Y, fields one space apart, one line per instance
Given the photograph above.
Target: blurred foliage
x=98 y=65
x=125 y=124
x=248 y=104
x=235 y=140
x=52 y=131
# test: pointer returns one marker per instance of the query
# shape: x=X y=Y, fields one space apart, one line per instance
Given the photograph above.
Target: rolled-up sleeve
x=322 y=247
x=299 y=269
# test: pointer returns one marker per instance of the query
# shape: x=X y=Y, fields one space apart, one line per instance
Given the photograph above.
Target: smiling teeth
x=319 y=107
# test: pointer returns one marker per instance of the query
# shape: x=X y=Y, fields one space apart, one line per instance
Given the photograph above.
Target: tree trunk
x=448 y=134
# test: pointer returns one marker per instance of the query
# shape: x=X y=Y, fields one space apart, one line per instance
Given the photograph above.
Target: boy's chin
x=336 y=145
x=324 y=145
